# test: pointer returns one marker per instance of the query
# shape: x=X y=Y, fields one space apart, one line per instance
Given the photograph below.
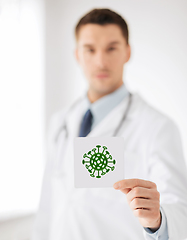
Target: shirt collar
x=104 y=105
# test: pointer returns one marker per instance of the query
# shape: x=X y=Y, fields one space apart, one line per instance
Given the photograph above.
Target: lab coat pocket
x=134 y=166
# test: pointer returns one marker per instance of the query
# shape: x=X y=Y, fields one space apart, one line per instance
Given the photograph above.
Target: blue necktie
x=86 y=124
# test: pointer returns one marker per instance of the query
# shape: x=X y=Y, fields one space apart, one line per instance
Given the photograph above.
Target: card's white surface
x=115 y=148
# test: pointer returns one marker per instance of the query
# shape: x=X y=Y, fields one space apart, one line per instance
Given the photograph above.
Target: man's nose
x=101 y=59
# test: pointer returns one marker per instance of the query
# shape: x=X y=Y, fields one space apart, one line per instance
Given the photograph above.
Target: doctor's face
x=101 y=52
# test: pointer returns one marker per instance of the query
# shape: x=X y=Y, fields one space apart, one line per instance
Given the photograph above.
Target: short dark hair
x=103 y=16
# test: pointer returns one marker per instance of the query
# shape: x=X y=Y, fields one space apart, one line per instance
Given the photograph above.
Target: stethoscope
x=124 y=116
x=63 y=127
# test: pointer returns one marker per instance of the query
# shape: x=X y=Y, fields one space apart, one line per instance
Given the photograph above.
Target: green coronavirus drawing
x=98 y=161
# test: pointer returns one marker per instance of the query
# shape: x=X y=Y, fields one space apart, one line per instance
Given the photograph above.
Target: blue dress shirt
x=100 y=109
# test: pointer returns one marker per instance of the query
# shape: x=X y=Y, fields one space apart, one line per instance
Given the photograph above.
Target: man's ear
x=128 y=55
x=76 y=54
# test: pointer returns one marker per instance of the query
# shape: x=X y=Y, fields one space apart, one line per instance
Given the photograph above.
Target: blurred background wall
x=22 y=114
x=39 y=76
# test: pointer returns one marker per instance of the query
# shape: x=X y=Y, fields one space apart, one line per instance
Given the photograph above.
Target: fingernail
x=116 y=185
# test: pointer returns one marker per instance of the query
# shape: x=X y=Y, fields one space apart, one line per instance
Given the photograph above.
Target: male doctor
x=151 y=201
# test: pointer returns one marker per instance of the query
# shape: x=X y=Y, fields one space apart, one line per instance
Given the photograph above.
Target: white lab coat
x=152 y=152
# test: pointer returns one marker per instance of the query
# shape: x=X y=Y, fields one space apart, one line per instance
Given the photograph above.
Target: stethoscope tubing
x=123 y=117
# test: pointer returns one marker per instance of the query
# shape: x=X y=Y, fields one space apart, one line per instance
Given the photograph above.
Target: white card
x=98 y=161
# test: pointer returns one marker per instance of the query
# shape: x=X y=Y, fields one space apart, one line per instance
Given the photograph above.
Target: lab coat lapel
x=74 y=118
x=108 y=125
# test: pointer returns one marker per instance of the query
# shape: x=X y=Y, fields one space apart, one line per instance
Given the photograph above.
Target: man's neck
x=93 y=96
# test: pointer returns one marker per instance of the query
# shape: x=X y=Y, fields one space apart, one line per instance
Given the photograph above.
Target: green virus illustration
x=97 y=161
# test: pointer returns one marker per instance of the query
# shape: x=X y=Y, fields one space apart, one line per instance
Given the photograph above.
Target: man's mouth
x=102 y=75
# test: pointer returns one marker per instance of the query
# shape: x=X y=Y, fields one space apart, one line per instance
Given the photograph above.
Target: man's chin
x=104 y=90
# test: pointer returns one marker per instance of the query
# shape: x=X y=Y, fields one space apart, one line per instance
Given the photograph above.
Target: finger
x=131 y=183
x=141 y=213
x=140 y=192
x=149 y=217
x=146 y=213
x=139 y=203
x=126 y=190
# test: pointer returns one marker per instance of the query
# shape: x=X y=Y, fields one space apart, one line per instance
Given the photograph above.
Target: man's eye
x=111 y=49
x=90 y=50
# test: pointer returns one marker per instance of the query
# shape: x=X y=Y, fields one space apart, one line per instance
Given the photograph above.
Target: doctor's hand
x=144 y=200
